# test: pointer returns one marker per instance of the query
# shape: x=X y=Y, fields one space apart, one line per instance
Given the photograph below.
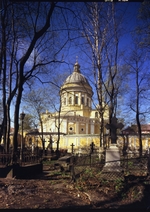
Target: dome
x=76 y=76
x=76 y=93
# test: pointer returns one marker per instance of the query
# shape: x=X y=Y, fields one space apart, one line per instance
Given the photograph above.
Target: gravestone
x=112 y=158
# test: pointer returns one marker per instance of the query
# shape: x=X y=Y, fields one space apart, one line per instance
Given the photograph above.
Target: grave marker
x=112 y=158
x=113 y=126
x=92 y=147
x=72 y=145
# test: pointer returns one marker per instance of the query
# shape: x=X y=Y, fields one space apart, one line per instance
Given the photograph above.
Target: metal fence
x=27 y=158
x=126 y=167
x=5 y=159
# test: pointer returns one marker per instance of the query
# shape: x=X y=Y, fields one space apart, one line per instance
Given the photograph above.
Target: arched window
x=70 y=100
x=76 y=100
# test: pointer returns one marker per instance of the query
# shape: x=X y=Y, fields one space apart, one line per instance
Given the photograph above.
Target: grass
x=119 y=185
x=48 y=162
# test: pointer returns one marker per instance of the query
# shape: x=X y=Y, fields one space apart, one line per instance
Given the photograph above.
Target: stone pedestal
x=112 y=159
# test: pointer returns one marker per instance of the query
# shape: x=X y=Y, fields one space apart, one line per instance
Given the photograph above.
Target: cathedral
x=78 y=123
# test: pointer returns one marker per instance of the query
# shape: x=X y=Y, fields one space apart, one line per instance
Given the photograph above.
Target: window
x=64 y=101
x=96 y=114
x=87 y=102
x=76 y=99
x=70 y=100
x=82 y=100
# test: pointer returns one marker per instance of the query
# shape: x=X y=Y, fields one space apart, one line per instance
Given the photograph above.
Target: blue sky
x=69 y=53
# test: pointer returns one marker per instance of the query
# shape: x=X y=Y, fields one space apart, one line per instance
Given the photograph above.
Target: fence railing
x=5 y=159
x=27 y=158
x=112 y=170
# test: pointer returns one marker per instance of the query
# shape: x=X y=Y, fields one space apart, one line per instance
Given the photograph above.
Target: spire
x=77 y=66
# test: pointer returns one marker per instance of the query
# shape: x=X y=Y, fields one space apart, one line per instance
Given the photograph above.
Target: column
x=79 y=99
x=146 y=143
x=88 y=141
x=85 y=99
x=66 y=99
x=92 y=127
x=73 y=98
x=86 y=130
x=65 y=126
x=129 y=141
x=77 y=127
x=134 y=142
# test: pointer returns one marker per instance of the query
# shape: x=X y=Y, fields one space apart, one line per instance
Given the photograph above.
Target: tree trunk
x=42 y=137
x=22 y=79
x=139 y=135
x=16 y=118
x=8 y=129
x=137 y=110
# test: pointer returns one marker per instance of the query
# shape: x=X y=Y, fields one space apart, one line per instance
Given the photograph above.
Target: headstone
x=112 y=159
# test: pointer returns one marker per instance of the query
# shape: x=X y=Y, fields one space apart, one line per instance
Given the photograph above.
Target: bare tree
x=8 y=52
x=36 y=103
x=143 y=28
x=101 y=28
x=28 y=34
x=139 y=86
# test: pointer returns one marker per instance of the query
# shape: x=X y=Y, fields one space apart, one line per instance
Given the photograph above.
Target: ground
x=55 y=190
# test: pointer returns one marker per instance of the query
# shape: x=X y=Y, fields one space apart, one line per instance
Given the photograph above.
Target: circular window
x=82 y=129
x=71 y=128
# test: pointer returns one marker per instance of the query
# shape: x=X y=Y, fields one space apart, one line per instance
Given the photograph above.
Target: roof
x=76 y=76
x=34 y=133
x=145 y=128
x=129 y=130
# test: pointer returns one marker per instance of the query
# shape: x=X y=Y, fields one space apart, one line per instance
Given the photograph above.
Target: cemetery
x=94 y=180
x=71 y=136
x=76 y=171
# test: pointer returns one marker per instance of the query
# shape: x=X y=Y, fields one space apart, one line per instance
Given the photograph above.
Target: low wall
x=21 y=172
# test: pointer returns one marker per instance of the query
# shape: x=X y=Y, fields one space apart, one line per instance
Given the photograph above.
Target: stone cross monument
x=112 y=158
x=113 y=126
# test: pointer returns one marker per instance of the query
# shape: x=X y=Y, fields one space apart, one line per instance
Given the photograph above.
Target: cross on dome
x=77 y=66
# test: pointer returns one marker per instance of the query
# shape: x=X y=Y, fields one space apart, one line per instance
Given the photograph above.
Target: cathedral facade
x=78 y=123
